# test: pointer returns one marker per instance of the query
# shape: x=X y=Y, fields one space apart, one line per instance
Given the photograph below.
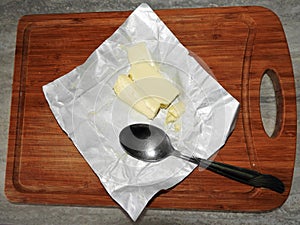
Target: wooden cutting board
x=239 y=44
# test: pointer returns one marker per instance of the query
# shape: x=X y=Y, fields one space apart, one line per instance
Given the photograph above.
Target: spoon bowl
x=151 y=144
x=145 y=142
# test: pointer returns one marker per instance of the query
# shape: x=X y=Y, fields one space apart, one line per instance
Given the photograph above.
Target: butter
x=145 y=89
x=177 y=126
x=130 y=93
x=160 y=89
x=122 y=82
x=142 y=65
x=174 y=112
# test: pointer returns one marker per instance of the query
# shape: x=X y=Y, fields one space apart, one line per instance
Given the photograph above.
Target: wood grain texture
x=239 y=44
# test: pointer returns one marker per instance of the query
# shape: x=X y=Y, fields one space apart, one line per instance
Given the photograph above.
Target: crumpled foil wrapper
x=87 y=109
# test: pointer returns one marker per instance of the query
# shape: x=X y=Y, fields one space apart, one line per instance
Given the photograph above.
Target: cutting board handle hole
x=271 y=103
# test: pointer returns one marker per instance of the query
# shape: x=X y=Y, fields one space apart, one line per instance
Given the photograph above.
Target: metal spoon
x=151 y=144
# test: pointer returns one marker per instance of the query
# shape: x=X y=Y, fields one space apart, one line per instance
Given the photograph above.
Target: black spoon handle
x=239 y=174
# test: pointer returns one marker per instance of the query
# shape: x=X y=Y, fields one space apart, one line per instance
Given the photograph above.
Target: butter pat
x=142 y=65
x=160 y=89
x=174 y=112
x=145 y=89
x=130 y=93
x=122 y=82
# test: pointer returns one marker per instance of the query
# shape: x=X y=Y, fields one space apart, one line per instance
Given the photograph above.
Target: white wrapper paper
x=87 y=109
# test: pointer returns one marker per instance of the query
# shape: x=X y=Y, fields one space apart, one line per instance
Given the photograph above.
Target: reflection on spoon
x=151 y=144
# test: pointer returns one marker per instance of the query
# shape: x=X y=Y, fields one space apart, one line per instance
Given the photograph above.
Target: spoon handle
x=242 y=175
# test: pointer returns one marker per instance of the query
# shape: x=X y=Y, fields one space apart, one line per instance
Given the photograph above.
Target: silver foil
x=87 y=109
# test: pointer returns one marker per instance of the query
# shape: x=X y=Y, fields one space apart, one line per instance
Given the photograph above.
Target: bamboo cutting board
x=239 y=44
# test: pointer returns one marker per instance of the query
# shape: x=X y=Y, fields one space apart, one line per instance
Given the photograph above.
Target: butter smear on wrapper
x=145 y=89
